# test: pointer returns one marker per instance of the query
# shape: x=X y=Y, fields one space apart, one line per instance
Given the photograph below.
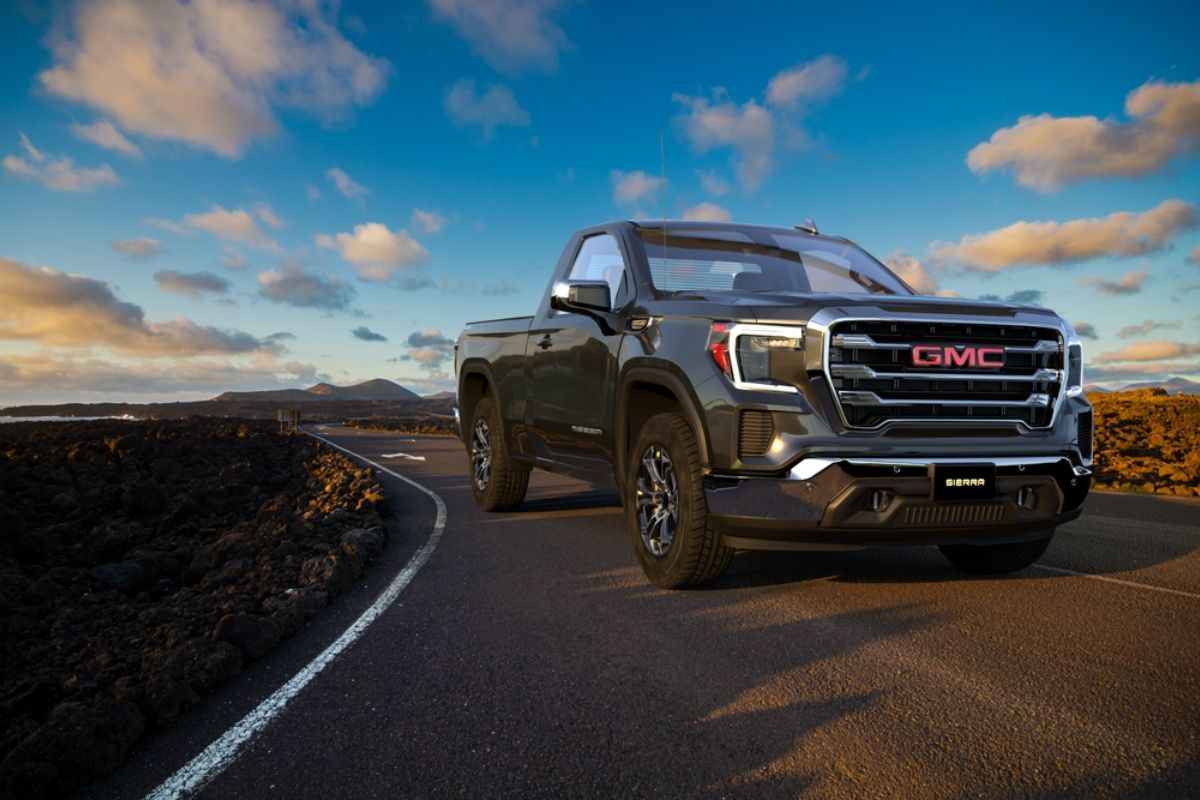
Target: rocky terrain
x=144 y=563
x=1148 y=441
x=435 y=424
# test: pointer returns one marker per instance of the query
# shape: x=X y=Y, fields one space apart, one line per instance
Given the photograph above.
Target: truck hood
x=796 y=308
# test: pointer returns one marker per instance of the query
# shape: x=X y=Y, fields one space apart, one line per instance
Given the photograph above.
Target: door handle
x=545 y=342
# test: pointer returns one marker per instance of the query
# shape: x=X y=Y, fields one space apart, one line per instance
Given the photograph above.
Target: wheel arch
x=647 y=390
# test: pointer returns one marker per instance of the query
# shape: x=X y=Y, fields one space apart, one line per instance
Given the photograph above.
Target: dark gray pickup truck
x=775 y=389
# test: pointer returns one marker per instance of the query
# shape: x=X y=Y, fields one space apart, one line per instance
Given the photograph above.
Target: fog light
x=880 y=500
x=1027 y=497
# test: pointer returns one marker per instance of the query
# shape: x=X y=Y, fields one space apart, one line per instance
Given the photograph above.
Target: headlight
x=1074 y=367
x=760 y=357
x=754 y=354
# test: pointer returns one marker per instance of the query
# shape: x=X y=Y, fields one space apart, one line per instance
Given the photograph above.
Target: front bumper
x=835 y=502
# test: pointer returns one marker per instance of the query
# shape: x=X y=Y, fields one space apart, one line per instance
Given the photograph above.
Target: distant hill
x=377 y=389
x=441 y=396
x=1173 y=386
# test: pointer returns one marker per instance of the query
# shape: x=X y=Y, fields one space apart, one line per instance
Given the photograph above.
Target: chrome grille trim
x=865 y=371
x=823 y=323
x=852 y=397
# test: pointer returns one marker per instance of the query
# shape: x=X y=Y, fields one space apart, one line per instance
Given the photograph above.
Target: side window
x=600 y=260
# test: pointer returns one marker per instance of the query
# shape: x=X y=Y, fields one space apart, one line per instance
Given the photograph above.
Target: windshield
x=731 y=260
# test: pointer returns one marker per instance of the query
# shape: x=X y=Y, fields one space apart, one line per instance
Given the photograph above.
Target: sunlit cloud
x=210 y=73
x=753 y=130
x=707 y=212
x=1157 y=350
x=512 y=36
x=430 y=222
x=1125 y=233
x=492 y=108
x=56 y=308
x=376 y=252
x=1129 y=283
x=58 y=173
x=1049 y=152
x=1144 y=328
x=632 y=187
x=237 y=225
x=104 y=134
x=139 y=249
x=346 y=185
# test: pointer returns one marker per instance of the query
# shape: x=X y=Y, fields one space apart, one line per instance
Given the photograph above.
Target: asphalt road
x=529 y=657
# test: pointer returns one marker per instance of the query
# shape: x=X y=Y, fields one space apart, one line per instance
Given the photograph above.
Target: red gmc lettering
x=950 y=356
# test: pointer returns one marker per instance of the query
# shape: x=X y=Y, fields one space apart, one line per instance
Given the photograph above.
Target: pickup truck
x=752 y=387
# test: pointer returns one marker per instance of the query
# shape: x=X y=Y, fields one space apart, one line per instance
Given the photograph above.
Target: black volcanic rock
x=142 y=563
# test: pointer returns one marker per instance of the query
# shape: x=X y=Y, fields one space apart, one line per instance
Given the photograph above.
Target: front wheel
x=995 y=559
x=664 y=502
x=497 y=483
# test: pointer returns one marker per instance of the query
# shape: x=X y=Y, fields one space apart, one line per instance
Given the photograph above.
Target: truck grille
x=875 y=380
x=756 y=429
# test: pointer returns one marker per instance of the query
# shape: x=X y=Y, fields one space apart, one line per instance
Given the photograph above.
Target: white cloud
x=753 y=129
x=376 y=252
x=231 y=259
x=237 y=225
x=138 y=249
x=712 y=183
x=912 y=271
x=1129 y=283
x=1143 y=328
x=428 y=348
x=1086 y=330
x=56 y=308
x=749 y=129
x=495 y=107
x=513 y=36
x=267 y=214
x=344 y=184
x=633 y=187
x=104 y=134
x=820 y=79
x=1124 y=233
x=192 y=284
x=430 y=222
x=58 y=172
x=707 y=212
x=168 y=225
x=209 y=73
x=1049 y=152
x=294 y=286
x=1151 y=351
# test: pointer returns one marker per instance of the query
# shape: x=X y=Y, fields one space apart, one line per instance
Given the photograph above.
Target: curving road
x=528 y=656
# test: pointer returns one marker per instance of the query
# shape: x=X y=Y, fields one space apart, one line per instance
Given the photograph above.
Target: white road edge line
x=215 y=758
x=1107 y=579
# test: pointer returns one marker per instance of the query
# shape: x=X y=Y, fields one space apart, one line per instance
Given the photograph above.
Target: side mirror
x=588 y=297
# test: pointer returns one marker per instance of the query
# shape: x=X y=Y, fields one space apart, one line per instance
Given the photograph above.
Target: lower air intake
x=956 y=514
x=756 y=430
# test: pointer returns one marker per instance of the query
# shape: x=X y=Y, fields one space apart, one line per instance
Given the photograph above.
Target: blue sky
x=202 y=196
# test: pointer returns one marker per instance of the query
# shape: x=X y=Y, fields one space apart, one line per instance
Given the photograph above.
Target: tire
x=693 y=556
x=995 y=559
x=497 y=483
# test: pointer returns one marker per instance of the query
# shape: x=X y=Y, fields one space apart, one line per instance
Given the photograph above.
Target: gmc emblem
x=937 y=355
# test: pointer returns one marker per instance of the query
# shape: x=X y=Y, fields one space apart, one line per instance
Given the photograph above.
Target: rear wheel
x=497 y=483
x=664 y=502
x=995 y=559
